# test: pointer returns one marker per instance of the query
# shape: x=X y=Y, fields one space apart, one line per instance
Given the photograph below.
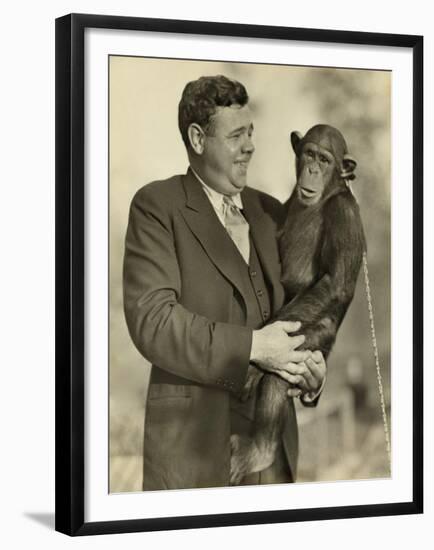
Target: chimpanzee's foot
x=247 y=457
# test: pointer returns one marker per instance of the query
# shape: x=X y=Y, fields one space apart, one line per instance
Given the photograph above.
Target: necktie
x=237 y=228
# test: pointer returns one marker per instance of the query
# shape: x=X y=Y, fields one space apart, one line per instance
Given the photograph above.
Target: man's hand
x=309 y=383
x=276 y=352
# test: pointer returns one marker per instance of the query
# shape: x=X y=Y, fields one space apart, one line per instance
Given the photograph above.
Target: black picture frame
x=70 y=264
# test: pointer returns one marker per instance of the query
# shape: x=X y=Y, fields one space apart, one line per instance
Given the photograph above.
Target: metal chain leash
x=377 y=360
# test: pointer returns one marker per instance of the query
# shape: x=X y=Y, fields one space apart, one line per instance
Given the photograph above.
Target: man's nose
x=248 y=146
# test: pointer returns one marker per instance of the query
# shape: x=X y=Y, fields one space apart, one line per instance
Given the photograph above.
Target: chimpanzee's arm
x=321 y=307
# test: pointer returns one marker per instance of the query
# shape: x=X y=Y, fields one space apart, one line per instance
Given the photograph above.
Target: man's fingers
x=305 y=374
x=285 y=375
x=311 y=380
x=291 y=368
x=317 y=356
x=294 y=379
x=299 y=380
x=296 y=356
x=295 y=368
x=315 y=368
x=295 y=341
x=289 y=326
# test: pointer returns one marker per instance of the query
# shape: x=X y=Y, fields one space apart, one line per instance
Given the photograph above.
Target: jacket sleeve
x=164 y=331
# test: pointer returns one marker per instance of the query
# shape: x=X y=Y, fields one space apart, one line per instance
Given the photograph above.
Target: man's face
x=228 y=149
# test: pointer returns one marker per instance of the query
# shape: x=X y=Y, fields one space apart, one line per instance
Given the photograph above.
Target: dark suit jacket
x=185 y=311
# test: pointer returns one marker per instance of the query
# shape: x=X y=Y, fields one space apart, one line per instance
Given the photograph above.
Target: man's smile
x=243 y=164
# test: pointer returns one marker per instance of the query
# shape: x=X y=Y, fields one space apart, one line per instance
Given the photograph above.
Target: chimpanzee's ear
x=349 y=164
x=296 y=138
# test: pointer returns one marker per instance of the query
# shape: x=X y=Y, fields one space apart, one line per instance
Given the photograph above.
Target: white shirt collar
x=215 y=197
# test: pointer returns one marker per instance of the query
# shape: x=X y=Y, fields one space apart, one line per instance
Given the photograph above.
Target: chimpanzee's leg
x=257 y=453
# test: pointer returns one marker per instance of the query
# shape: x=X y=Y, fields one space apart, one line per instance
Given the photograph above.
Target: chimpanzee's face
x=315 y=169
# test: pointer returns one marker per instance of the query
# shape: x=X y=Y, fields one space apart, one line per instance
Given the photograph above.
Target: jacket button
x=265 y=314
x=259 y=292
x=253 y=273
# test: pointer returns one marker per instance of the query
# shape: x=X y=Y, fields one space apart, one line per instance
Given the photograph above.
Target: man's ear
x=196 y=137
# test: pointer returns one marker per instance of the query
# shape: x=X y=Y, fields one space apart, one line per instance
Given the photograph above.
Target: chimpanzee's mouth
x=307 y=193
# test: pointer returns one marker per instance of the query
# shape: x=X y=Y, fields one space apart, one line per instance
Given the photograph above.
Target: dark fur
x=321 y=248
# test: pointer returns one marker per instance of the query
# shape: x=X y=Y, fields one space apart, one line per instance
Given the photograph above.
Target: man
x=201 y=278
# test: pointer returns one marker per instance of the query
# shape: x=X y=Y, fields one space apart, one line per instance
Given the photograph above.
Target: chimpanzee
x=321 y=249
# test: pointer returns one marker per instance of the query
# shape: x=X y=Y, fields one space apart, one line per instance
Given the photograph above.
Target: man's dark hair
x=201 y=98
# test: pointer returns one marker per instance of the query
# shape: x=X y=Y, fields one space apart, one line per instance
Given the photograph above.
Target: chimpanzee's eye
x=309 y=153
x=324 y=159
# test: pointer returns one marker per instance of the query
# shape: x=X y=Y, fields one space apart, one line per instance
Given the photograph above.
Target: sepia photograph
x=249 y=274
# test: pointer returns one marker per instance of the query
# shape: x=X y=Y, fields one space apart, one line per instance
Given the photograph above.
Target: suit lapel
x=203 y=222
